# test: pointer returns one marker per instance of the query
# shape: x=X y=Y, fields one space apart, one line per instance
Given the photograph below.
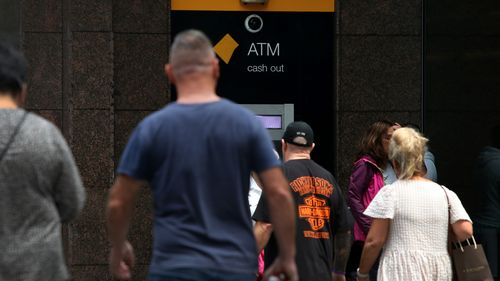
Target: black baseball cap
x=299 y=133
x=13 y=68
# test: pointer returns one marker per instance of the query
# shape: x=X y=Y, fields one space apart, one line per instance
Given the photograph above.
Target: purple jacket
x=365 y=181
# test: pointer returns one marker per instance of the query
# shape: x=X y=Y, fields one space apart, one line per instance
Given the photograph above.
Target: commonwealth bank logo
x=225 y=48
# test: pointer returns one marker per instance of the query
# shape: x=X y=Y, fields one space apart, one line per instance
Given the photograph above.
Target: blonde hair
x=407 y=148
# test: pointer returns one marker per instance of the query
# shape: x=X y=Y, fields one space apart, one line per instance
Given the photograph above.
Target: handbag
x=469 y=260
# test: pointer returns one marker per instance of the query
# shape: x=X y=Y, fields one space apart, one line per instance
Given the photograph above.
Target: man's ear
x=170 y=73
x=283 y=145
x=216 y=68
x=312 y=146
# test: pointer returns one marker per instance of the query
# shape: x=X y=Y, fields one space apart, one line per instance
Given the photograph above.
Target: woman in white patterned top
x=410 y=219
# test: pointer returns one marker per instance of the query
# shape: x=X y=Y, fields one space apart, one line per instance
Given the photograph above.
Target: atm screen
x=270 y=121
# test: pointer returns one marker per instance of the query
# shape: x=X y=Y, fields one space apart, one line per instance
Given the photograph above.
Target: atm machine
x=276 y=57
x=275 y=118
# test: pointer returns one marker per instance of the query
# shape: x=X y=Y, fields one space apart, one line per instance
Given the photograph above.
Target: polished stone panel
x=125 y=122
x=89 y=241
x=141 y=230
x=456 y=139
x=380 y=73
x=462 y=73
x=384 y=18
x=91 y=15
x=44 y=54
x=101 y=273
x=92 y=66
x=54 y=116
x=41 y=15
x=463 y=18
x=140 y=82
x=10 y=22
x=92 y=147
x=140 y=16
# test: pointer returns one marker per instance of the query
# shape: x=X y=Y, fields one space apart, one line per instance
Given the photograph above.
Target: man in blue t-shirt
x=197 y=154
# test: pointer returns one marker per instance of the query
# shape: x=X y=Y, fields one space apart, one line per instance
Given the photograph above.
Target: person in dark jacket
x=487 y=218
x=366 y=179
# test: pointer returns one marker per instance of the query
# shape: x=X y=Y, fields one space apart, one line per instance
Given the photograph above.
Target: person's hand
x=338 y=277
x=121 y=261
x=285 y=270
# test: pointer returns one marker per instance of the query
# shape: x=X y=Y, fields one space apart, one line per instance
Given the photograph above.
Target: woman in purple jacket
x=365 y=181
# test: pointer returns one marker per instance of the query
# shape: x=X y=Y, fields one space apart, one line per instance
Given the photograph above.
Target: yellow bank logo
x=225 y=48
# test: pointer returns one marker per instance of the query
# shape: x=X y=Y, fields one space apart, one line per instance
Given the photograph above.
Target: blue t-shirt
x=198 y=158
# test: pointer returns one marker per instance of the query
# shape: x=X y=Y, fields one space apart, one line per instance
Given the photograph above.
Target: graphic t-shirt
x=321 y=212
x=198 y=158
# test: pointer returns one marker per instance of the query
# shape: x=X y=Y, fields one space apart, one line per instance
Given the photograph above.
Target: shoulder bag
x=468 y=258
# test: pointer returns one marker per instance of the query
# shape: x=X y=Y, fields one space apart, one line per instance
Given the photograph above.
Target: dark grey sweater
x=40 y=187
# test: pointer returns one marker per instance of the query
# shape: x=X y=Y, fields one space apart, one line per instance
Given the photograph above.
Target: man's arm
x=281 y=208
x=121 y=203
x=342 y=248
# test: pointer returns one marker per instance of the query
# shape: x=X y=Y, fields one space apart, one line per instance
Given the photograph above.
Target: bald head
x=191 y=53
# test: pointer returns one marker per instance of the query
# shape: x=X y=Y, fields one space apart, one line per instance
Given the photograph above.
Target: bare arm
x=262 y=232
x=121 y=202
x=373 y=245
x=281 y=209
x=462 y=230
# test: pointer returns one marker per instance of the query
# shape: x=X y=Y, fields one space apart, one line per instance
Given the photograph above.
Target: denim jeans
x=190 y=274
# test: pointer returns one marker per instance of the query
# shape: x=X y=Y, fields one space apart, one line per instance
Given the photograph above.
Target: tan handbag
x=469 y=260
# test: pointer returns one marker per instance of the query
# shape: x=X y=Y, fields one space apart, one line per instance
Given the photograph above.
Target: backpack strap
x=11 y=140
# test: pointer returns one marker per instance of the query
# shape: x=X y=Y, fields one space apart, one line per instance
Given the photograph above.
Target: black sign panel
x=275 y=58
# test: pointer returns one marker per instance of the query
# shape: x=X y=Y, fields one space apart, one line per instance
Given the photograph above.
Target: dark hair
x=13 y=67
x=371 y=141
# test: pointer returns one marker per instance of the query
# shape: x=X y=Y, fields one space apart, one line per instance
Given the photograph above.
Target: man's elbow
x=115 y=206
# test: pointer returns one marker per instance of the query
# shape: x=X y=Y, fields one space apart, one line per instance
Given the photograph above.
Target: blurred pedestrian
x=370 y=172
x=487 y=184
x=197 y=154
x=324 y=224
x=40 y=186
x=411 y=219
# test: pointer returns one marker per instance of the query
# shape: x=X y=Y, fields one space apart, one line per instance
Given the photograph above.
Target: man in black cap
x=323 y=224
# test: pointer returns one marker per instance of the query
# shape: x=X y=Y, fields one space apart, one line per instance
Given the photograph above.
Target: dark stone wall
x=96 y=69
x=379 y=66
x=462 y=101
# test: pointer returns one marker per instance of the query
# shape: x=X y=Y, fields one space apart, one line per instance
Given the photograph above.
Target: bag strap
x=449 y=206
x=449 y=242
x=11 y=140
x=457 y=244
